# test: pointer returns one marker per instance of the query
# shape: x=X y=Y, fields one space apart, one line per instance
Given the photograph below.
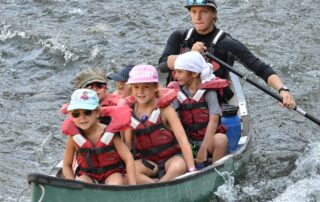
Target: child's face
x=99 y=88
x=123 y=89
x=144 y=92
x=183 y=77
x=83 y=118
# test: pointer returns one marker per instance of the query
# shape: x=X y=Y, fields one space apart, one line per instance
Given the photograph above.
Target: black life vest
x=218 y=71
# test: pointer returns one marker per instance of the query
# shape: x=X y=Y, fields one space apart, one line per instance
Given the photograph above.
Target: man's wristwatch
x=283 y=88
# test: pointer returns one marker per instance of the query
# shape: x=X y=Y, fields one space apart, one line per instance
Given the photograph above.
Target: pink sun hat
x=143 y=74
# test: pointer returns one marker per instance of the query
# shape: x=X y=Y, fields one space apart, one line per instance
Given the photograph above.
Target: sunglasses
x=96 y=85
x=76 y=114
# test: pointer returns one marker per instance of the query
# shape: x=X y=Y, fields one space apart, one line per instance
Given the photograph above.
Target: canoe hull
x=197 y=187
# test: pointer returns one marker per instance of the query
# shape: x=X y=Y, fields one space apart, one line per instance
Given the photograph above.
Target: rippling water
x=44 y=43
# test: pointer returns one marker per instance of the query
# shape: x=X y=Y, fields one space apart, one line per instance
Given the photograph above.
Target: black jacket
x=227 y=49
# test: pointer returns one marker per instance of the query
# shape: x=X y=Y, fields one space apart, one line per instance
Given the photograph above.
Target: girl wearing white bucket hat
x=199 y=88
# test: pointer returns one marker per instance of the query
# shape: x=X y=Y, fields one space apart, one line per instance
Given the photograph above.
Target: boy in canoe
x=122 y=88
x=198 y=106
x=93 y=78
x=98 y=149
x=156 y=131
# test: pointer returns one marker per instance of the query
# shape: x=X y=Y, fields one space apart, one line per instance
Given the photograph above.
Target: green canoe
x=196 y=186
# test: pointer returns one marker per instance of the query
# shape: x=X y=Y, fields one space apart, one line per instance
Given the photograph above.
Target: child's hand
x=202 y=155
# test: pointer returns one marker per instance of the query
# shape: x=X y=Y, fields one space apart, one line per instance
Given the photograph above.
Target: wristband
x=283 y=88
x=191 y=169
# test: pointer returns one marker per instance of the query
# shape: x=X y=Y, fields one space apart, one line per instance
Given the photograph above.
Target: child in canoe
x=122 y=88
x=198 y=106
x=93 y=78
x=156 y=131
x=98 y=148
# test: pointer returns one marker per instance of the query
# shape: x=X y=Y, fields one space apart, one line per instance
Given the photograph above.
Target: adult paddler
x=205 y=36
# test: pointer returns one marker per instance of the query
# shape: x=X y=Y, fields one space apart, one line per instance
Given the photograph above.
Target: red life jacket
x=173 y=85
x=152 y=140
x=97 y=161
x=194 y=111
x=167 y=96
x=110 y=100
x=120 y=120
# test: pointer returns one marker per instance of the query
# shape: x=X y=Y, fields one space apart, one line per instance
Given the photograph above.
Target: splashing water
x=227 y=192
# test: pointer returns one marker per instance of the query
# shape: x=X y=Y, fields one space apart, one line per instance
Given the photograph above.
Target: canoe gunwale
x=74 y=184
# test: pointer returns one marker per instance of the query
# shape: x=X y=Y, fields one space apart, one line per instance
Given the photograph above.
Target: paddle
x=269 y=92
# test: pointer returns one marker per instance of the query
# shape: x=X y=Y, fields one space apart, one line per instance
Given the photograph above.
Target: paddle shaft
x=264 y=89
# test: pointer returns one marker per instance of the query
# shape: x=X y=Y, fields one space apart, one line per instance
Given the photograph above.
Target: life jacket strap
x=148 y=130
x=161 y=165
x=188 y=35
x=190 y=106
x=195 y=127
x=100 y=169
x=96 y=150
x=147 y=164
x=134 y=122
x=157 y=150
x=154 y=115
x=217 y=37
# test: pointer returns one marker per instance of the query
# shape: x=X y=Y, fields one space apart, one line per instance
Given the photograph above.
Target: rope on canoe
x=42 y=193
x=18 y=199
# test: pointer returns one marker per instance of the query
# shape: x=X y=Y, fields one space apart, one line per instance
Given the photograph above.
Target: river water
x=44 y=43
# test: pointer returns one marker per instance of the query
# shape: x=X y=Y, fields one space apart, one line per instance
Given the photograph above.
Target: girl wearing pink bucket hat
x=156 y=133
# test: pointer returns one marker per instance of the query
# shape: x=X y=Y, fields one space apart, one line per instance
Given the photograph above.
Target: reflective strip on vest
x=134 y=122
x=197 y=96
x=107 y=137
x=79 y=140
x=154 y=116
x=189 y=34
x=215 y=40
x=181 y=97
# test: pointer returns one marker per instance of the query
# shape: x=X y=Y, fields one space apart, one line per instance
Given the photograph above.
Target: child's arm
x=126 y=156
x=210 y=131
x=68 y=159
x=171 y=117
x=127 y=134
